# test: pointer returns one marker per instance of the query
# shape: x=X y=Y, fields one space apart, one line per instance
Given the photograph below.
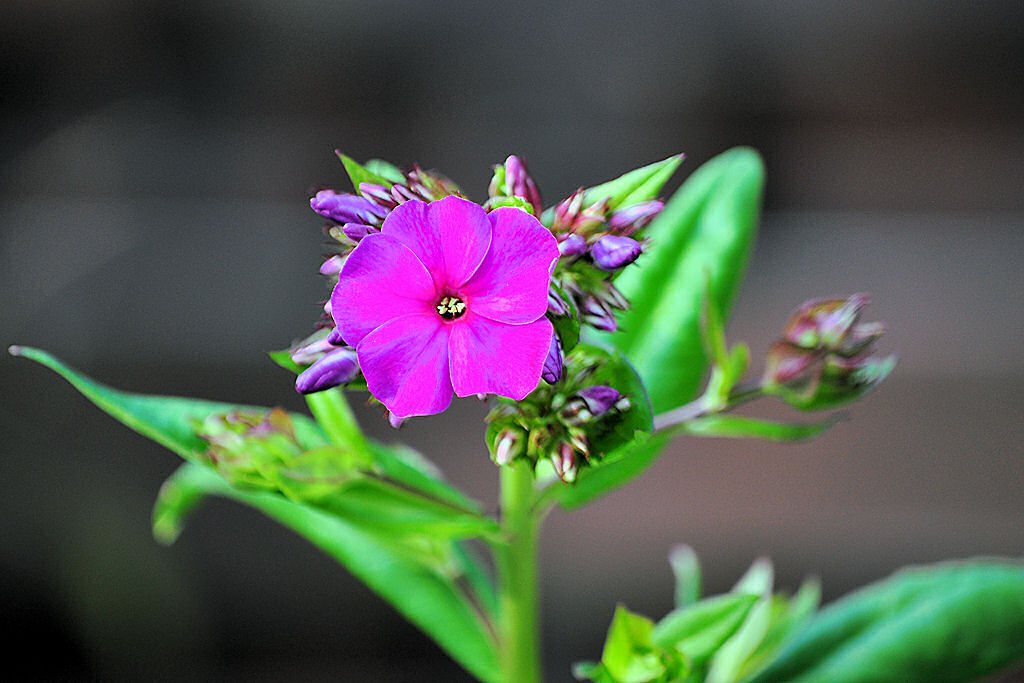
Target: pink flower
x=448 y=299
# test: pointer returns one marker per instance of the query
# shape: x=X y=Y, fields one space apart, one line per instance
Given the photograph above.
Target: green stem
x=517 y=576
x=333 y=413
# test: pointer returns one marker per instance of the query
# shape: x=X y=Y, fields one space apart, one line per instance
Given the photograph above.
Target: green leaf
x=361 y=174
x=385 y=169
x=636 y=186
x=758 y=579
x=739 y=426
x=628 y=654
x=704 y=235
x=728 y=661
x=788 y=617
x=177 y=498
x=376 y=504
x=943 y=623
x=435 y=604
x=686 y=570
x=699 y=629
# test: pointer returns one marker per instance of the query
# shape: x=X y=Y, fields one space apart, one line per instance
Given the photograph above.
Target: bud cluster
x=825 y=356
x=557 y=423
x=261 y=450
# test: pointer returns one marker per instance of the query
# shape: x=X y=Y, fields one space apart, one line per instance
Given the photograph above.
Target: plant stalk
x=517 y=577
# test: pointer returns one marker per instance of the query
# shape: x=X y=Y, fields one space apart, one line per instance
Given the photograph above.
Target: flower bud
x=346 y=208
x=612 y=252
x=508 y=446
x=377 y=194
x=357 y=231
x=599 y=399
x=334 y=337
x=552 y=370
x=310 y=351
x=337 y=367
x=565 y=463
x=394 y=420
x=518 y=183
x=636 y=217
x=598 y=314
x=824 y=358
x=572 y=245
x=557 y=306
x=826 y=323
x=788 y=363
x=572 y=216
x=332 y=266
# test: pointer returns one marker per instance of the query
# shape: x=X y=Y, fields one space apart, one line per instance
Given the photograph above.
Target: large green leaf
x=425 y=598
x=701 y=239
x=171 y=422
x=945 y=623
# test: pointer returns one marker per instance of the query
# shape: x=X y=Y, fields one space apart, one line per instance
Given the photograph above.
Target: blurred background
x=155 y=163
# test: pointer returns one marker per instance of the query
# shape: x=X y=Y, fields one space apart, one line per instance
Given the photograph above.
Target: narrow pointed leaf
x=699 y=629
x=686 y=570
x=433 y=603
x=636 y=186
x=361 y=174
x=739 y=426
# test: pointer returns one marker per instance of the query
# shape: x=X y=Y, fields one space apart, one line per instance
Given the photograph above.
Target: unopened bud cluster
x=557 y=423
x=826 y=355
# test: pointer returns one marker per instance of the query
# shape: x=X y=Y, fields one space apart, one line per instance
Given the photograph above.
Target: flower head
x=448 y=299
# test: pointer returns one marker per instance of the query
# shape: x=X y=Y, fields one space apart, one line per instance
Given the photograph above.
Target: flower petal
x=381 y=280
x=490 y=357
x=405 y=362
x=450 y=236
x=511 y=285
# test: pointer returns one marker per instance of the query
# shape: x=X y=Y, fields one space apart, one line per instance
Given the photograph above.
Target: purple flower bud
x=346 y=208
x=394 y=420
x=334 y=337
x=552 y=371
x=599 y=399
x=598 y=315
x=612 y=252
x=636 y=217
x=556 y=304
x=332 y=266
x=572 y=216
x=572 y=245
x=337 y=367
x=519 y=183
x=788 y=363
x=564 y=461
x=378 y=194
x=311 y=352
x=357 y=231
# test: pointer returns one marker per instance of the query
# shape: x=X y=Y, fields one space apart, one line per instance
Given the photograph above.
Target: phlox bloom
x=448 y=299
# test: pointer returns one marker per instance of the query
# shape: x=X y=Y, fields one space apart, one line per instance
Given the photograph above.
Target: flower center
x=451 y=307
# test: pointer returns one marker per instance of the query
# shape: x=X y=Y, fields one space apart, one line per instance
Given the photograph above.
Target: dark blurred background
x=155 y=164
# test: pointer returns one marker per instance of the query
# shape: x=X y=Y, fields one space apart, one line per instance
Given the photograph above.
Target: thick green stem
x=517 y=576
x=333 y=413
